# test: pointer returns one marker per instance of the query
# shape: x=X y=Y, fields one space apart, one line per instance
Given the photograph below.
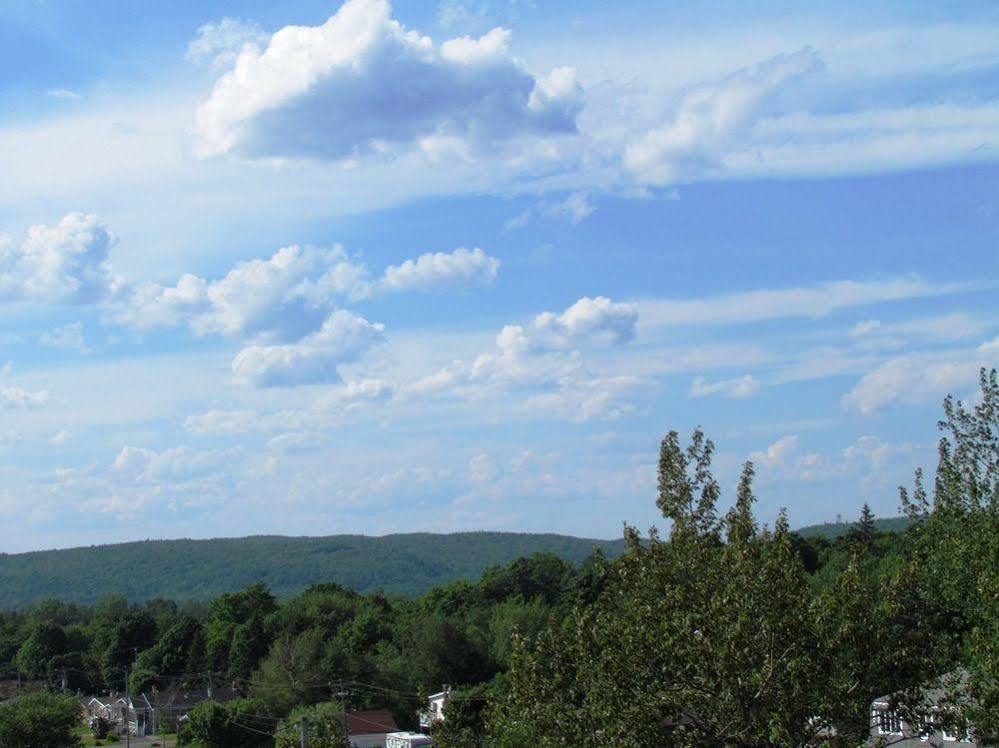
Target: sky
x=308 y=268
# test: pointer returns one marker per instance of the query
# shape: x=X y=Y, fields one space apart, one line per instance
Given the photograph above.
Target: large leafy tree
x=955 y=537
x=705 y=639
x=39 y=720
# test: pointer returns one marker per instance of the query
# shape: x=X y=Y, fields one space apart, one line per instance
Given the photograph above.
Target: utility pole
x=342 y=694
x=128 y=705
x=128 y=698
x=301 y=733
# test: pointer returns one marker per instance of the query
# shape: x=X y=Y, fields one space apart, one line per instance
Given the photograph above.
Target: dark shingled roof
x=367 y=723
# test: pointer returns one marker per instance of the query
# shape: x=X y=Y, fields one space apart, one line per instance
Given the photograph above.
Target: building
x=937 y=724
x=170 y=706
x=370 y=729
x=434 y=713
x=148 y=713
x=407 y=740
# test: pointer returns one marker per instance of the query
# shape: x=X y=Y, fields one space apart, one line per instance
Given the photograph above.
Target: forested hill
x=833 y=530
x=407 y=564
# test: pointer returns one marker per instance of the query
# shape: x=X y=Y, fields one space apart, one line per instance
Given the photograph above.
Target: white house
x=436 y=703
x=407 y=740
x=933 y=723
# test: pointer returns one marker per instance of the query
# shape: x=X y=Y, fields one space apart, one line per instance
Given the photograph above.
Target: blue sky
x=310 y=269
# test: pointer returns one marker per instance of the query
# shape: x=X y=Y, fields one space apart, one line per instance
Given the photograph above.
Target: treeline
x=725 y=633
x=407 y=564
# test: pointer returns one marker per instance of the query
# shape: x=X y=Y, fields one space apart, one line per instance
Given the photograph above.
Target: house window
x=889 y=723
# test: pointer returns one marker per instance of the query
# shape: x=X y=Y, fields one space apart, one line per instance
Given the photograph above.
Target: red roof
x=375 y=721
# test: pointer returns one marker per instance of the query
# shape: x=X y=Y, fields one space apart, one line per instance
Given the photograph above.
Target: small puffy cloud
x=588 y=318
x=314 y=359
x=356 y=394
x=63 y=94
x=576 y=208
x=60 y=438
x=526 y=353
x=871 y=452
x=544 y=361
x=176 y=463
x=220 y=42
x=63 y=264
x=219 y=421
x=13 y=397
x=290 y=294
x=740 y=387
x=777 y=453
x=920 y=377
x=362 y=81
x=295 y=442
x=710 y=121
x=68 y=336
x=463 y=267
x=283 y=297
x=481 y=469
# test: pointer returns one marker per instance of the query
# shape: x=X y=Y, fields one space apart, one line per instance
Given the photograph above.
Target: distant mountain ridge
x=407 y=564
x=833 y=530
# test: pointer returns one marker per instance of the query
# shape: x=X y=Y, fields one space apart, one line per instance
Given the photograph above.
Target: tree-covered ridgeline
x=723 y=632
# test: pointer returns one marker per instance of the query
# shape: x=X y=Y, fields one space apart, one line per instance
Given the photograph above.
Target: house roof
x=187 y=698
x=371 y=722
x=937 y=691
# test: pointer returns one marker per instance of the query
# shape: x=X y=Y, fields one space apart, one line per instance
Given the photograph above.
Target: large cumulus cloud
x=362 y=81
x=63 y=264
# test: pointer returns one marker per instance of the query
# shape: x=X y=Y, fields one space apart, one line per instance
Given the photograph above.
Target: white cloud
x=176 y=463
x=463 y=267
x=799 y=301
x=544 y=362
x=220 y=42
x=289 y=295
x=60 y=437
x=68 y=336
x=712 y=120
x=295 y=442
x=314 y=359
x=777 y=453
x=943 y=328
x=576 y=208
x=920 y=377
x=63 y=94
x=63 y=264
x=739 y=387
x=218 y=421
x=356 y=394
x=13 y=397
x=362 y=81
x=283 y=297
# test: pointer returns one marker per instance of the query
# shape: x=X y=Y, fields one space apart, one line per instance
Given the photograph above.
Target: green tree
x=235 y=724
x=226 y=613
x=956 y=537
x=863 y=530
x=292 y=674
x=707 y=639
x=45 y=641
x=39 y=720
x=134 y=632
x=173 y=655
x=321 y=724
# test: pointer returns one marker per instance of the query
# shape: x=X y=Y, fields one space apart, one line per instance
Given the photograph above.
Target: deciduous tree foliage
x=39 y=720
